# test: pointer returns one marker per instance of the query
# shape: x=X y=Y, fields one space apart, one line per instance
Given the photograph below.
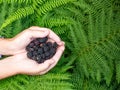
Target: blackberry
x=43 y=56
x=38 y=58
x=27 y=48
x=44 y=45
x=47 y=58
x=40 y=50
x=35 y=53
x=55 y=45
x=47 y=54
x=42 y=40
x=36 y=42
x=30 y=49
x=46 y=48
x=31 y=44
x=34 y=58
x=49 y=44
x=29 y=55
x=41 y=61
x=52 y=50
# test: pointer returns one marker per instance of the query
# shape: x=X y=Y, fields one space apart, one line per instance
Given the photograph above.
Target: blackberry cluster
x=40 y=49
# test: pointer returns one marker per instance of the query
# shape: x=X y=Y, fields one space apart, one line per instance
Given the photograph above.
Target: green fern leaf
x=47 y=82
x=50 y=5
x=22 y=12
x=16 y=1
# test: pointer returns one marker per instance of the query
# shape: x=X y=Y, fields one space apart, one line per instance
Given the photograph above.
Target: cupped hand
x=23 y=65
x=20 y=41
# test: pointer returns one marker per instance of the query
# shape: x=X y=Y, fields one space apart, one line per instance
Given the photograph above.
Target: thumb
x=39 y=33
x=45 y=65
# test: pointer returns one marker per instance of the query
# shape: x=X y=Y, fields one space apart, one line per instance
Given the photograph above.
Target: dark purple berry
x=51 y=55
x=35 y=53
x=41 y=61
x=35 y=48
x=49 y=44
x=42 y=40
x=36 y=42
x=38 y=58
x=33 y=58
x=27 y=48
x=29 y=55
x=55 y=45
x=45 y=48
x=31 y=44
x=47 y=57
x=43 y=56
x=47 y=54
x=30 y=49
x=40 y=50
x=44 y=44
x=52 y=51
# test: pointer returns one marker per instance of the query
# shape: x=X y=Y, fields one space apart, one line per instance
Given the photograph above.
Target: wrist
x=7 y=68
x=6 y=46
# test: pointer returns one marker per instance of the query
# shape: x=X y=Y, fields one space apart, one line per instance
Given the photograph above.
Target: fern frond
x=50 y=5
x=47 y=82
x=3 y=13
x=16 y=1
x=94 y=42
x=22 y=12
x=52 y=22
x=82 y=83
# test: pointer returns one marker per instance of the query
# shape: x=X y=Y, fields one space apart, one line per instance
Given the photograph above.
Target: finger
x=47 y=70
x=60 y=43
x=45 y=65
x=56 y=58
x=38 y=33
x=19 y=51
x=59 y=52
x=51 y=40
x=51 y=35
x=54 y=36
x=38 y=28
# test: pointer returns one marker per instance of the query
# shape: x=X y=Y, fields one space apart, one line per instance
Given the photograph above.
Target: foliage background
x=91 y=31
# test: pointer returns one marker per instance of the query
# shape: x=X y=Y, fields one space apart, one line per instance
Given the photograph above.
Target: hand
x=20 y=64
x=20 y=41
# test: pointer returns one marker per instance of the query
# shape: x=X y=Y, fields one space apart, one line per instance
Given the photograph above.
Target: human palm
x=26 y=65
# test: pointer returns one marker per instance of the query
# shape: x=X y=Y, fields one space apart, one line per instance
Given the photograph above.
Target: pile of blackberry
x=40 y=49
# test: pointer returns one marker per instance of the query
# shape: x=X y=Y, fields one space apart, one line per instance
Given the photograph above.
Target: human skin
x=17 y=62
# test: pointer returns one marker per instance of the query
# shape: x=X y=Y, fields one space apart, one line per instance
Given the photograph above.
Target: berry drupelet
x=40 y=49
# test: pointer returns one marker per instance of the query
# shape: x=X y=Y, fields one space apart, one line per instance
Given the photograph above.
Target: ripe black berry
x=31 y=44
x=36 y=42
x=46 y=48
x=55 y=45
x=43 y=56
x=40 y=50
x=35 y=53
x=42 y=40
x=47 y=54
x=29 y=55
x=49 y=44
x=38 y=58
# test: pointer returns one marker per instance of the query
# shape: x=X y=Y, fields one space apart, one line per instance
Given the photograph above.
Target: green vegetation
x=91 y=31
